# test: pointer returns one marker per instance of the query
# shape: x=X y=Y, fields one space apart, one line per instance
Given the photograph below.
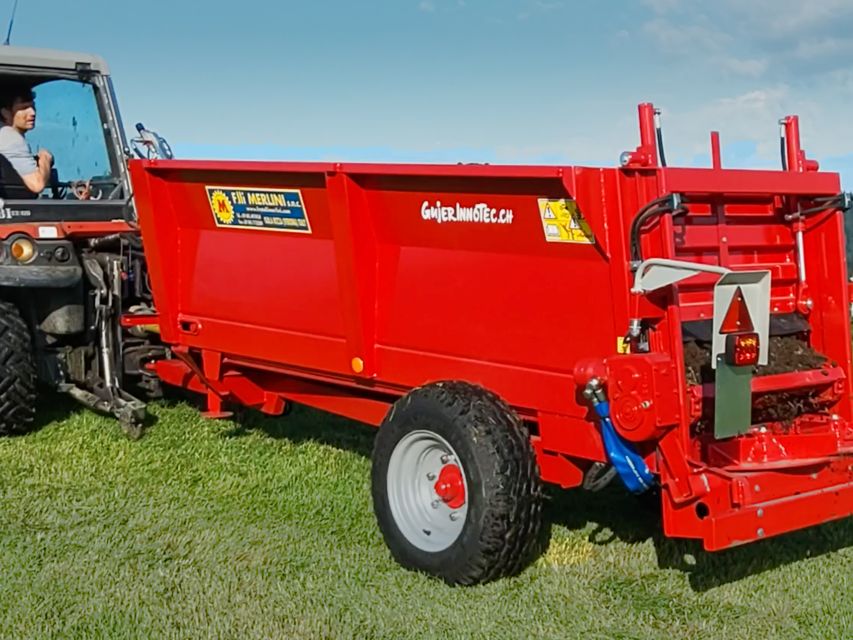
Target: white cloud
x=773 y=41
x=820 y=48
x=686 y=39
x=782 y=18
x=427 y=6
x=750 y=117
x=543 y=5
x=749 y=67
x=663 y=6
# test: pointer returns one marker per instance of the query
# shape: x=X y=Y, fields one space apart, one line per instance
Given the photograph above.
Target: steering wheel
x=84 y=190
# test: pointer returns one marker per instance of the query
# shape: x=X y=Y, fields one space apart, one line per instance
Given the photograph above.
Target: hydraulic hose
x=629 y=465
x=841 y=201
x=672 y=203
x=660 y=147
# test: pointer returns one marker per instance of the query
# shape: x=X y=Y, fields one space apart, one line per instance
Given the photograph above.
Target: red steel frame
x=376 y=301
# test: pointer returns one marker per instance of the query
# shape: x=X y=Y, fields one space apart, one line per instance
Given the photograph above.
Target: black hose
x=653 y=208
x=658 y=206
x=660 y=147
x=829 y=202
x=783 y=153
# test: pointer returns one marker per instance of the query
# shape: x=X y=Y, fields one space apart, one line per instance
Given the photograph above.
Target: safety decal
x=270 y=209
x=563 y=222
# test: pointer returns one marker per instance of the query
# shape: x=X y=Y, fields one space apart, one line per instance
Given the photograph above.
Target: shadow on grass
x=614 y=514
x=53 y=407
x=708 y=570
x=618 y=516
x=303 y=424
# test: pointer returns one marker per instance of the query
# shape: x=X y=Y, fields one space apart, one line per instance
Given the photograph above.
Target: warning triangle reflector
x=737 y=319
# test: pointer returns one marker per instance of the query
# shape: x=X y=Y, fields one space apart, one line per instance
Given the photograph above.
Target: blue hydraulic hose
x=629 y=465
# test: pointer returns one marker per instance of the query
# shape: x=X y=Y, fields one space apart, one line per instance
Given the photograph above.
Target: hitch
x=106 y=394
x=129 y=411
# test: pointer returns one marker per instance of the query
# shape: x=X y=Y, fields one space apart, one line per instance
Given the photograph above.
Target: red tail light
x=742 y=350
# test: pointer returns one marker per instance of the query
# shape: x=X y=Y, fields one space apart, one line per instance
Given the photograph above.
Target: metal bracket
x=657 y=273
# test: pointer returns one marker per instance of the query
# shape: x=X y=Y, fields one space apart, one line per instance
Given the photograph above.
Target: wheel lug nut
x=431 y=477
x=445 y=459
x=436 y=504
x=454 y=516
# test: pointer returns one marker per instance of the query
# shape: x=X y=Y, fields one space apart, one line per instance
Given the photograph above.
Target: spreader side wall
x=267 y=295
x=456 y=295
x=411 y=295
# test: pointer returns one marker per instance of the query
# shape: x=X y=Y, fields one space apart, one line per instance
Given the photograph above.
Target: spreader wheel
x=456 y=489
x=17 y=372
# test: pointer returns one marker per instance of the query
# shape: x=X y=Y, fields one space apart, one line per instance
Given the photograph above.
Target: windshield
x=69 y=125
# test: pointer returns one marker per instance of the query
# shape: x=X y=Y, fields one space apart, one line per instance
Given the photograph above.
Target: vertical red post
x=645 y=155
x=648 y=142
x=211 y=363
x=793 y=150
x=716 y=156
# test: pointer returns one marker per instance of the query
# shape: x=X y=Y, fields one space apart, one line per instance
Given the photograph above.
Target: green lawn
x=264 y=530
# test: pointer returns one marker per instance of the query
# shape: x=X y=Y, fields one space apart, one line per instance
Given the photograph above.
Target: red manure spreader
x=506 y=326
x=679 y=331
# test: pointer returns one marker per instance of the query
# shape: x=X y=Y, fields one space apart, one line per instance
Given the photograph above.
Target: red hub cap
x=450 y=486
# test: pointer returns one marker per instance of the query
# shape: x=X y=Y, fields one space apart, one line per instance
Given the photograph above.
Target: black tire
x=17 y=373
x=503 y=516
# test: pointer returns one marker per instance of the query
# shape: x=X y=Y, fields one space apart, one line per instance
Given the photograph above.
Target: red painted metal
x=140 y=320
x=716 y=154
x=646 y=154
x=450 y=486
x=644 y=397
x=390 y=290
x=796 y=159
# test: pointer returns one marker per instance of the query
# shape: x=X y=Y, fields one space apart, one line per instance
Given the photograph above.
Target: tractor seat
x=12 y=186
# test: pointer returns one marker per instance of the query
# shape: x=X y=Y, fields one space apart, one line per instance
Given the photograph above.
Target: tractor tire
x=456 y=488
x=17 y=373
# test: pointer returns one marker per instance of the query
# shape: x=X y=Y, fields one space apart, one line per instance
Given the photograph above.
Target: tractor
x=71 y=259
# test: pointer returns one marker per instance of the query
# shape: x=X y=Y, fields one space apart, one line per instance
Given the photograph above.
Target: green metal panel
x=733 y=400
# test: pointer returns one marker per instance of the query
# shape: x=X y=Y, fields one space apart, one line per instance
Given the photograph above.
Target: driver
x=18 y=112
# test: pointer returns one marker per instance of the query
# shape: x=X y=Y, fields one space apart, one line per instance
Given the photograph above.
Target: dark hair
x=21 y=93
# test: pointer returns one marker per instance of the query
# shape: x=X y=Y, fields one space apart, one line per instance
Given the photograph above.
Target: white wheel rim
x=423 y=488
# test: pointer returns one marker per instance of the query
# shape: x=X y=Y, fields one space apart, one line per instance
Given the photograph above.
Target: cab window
x=68 y=124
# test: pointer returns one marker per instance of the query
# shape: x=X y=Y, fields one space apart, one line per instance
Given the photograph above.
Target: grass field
x=264 y=529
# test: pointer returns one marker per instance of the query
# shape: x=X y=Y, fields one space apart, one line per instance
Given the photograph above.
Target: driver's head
x=18 y=108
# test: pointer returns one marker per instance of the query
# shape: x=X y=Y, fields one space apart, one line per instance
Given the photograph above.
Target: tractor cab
x=71 y=258
x=77 y=121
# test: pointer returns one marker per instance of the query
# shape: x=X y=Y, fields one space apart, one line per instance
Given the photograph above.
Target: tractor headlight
x=23 y=250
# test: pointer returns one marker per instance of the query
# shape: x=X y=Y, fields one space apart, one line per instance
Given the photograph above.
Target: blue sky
x=508 y=81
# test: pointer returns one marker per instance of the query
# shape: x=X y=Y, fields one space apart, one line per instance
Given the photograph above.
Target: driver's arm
x=38 y=180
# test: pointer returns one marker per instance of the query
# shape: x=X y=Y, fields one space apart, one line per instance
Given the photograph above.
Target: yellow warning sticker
x=562 y=222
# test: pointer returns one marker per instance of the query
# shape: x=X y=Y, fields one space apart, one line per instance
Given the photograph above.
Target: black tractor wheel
x=456 y=489
x=17 y=372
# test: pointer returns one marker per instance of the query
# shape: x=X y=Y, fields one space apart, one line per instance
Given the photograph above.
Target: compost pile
x=787 y=354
